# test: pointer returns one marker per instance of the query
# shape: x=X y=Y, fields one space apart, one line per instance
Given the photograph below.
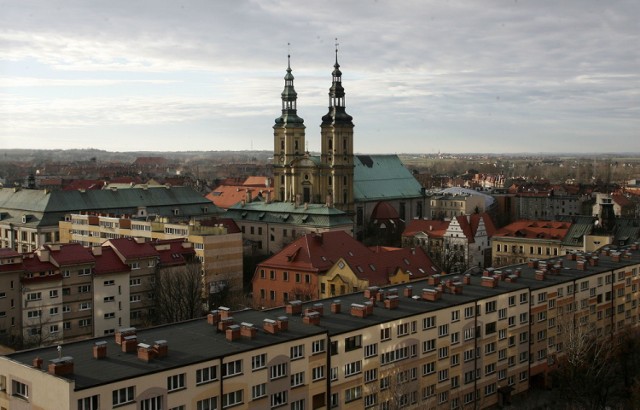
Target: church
x=301 y=177
x=337 y=178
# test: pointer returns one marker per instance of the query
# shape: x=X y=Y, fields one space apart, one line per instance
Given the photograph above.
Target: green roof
x=317 y=215
x=383 y=177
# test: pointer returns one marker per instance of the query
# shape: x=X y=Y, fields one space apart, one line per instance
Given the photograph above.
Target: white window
x=370 y=375
x=317 y=373
x=259 y=361
x=258 y=391
x=429 y=322
x=297 y=379
x=455 y=315
x=232 y=368
x=232 y=399
x=34 y=296
x=429 y=345
x=279 y=399
x=53 y=293
x=207 y=404
x=206 y=374
x=352 y=394
x=297 y=352
x=403 y=329
x=135 y=282
x=175 y=382
x=84 y=306
x=32 y=314
x=20 y=389
x=371 y=350
x=277 y=371
x=84 y=289
x=124 y=395
x=153 y=403
x=469 y=312
x=109 y=315
x=317 y=346
x=297 y=405
x=89 y=403
x=352 y=368
x=135 y=298
x=443 y=330
x=385 y=333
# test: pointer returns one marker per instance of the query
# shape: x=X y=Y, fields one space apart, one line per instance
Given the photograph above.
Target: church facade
x=303 y=178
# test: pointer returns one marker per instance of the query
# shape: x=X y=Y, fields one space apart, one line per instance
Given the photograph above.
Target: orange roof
x=225 y=196
x=535 y=230
x=623 y=201
x=256 y=181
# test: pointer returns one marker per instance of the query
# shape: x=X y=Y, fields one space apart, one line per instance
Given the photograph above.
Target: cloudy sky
x=420 y=76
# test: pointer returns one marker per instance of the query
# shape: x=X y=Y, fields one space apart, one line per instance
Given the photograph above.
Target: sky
x=420 y=76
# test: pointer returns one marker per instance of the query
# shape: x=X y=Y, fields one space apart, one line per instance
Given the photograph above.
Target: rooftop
x=196 y=341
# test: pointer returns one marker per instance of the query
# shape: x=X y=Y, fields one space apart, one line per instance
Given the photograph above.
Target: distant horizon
x=452 y=77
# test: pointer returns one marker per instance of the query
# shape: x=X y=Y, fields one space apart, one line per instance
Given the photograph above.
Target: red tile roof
x=256 y=181
x=130 y=249
x=623 y=201
x=33 y=265
x=432 y=228
x=70 y=254
x=317 y=253
x=109 y=262
x=225 y=196
x=172 y=252
x=84 y=184
x=384 y=210
x=8 y=253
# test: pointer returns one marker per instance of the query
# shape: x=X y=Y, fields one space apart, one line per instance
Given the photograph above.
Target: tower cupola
x=289 y=100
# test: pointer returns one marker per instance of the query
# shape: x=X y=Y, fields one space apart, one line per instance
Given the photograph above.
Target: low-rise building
x=524 y=240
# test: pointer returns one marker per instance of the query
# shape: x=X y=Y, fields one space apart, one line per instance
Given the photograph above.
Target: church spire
x=289 y=99
x=336 y=97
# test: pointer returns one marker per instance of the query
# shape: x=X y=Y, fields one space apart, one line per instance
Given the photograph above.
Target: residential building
x=524 y=240
x=449 y=205
x=29 y=218
x=623 y=207
x=217 y=242
x=10 y=295
x=458 y=341
x=332 y=264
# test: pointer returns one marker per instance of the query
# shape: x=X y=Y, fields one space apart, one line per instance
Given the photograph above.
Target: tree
x=178 y=293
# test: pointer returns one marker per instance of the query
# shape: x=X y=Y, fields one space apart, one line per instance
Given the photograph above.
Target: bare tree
x=178 y=293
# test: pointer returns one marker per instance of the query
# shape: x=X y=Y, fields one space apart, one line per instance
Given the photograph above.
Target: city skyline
x=491 y=76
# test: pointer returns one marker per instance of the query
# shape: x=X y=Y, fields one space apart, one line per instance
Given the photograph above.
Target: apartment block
x=217 y=241
x=471 y=341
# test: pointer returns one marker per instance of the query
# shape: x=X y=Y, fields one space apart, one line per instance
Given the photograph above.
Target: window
x=490 y=348
x=297 y=352
x=455 y=315
x=52 y=294
x=443 y=375
x=469 y=312
x=84 y=322
x=352 y=343
x=385 y=333
x=317 y=346
x=502 y=314
x=443 y=352
x=468 y=355
x=232 y=399
x=371 y=350
x=469 y=333
x=124 y=395
x=135 y=282
x=490 y=307
x=524 y=298
x=317 y=373
x=428 y=368
x=352 y=368
x=84 y=306
x=352 y=394
x=429 y=345
x=34 y=296
x=89 y=403
x=277 y=371
x=232 y=368
x=206 y=374
x=333 y=373
x=297 y=379
x=175 y=382
x=135 y=298
x=403 y=329
x=524 y=317
x=258 y=391
x=109 y=315
x=259 y=361
x=370 y=375
x=20 y=389
x=429 y=322
x=489 y=369
x=278 y=399
x=84 y=289
x=443 y=330
x=207 y=404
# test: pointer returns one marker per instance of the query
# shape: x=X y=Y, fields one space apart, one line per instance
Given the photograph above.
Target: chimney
x=615 y=256
x=225 y=312
x=283 y=323
x=594 y=261
x=100 y=350
x=318 y=307
x=511 y=278
x=539 y=275
x=225 y=323
x=408 y=291
x=123 y=332
x=232 y=333
x=37 y=362
x=581 y=264
x=298 y=200
x=268 y=196
x=329 y=201
x=145 y=353
x=248 y=196
x=294 y=307
x=336 y=306
x=571 y=256
x=61 y=367
x=466 y=279
x=433 y=280
x=391 y=302
x=96 y=250
x=431 y=295
x=311 y=317
x=161 y=348
x=533 y=263
x=369 y=307
x=371 y=292
x=358 y=310
x=129 y=344
x=248 y=330
x=213 y=317
x=489 y=282
x=270 y=326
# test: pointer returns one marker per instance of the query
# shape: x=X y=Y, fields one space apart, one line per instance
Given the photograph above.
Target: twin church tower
x=303 y=178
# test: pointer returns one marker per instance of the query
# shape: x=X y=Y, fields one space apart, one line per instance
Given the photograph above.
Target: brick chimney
x=123 y=332
x=391 y=302
x=294 y=307
x=431 y=295
x=62 y=366
x=270 y=326
x=161 y=348
x=100 y=350
x=283 y=323
x=145 y=353
x=489 y=282
x=233 y=333
x=311 y=317
x=129 y=343
x=248 y=330
x=37 y=362
x=336 y=306
x=358 y=310
x=408 y=291
x=213 y=317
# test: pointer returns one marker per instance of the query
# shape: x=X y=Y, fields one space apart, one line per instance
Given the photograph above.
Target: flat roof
x=196 y=341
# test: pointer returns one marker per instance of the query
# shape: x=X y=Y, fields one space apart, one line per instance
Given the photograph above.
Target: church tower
x=337 y=146
x=288 y=140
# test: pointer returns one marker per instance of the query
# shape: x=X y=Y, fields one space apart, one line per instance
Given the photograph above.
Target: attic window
x=244 y=214
x=305 y=217
x=406 y=261
x=262 y=214
x=360 y=269
x=176 y=211
x=350 y=253
x=373 y=268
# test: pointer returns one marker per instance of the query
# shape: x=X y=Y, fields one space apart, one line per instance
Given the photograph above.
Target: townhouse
x=471 y=341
